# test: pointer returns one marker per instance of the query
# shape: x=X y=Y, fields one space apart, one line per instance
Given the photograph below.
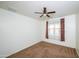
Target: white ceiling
x=28 y=8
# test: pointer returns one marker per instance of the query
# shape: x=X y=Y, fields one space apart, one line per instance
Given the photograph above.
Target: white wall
x=77 y=33
x=70 y=32
x=17 y=32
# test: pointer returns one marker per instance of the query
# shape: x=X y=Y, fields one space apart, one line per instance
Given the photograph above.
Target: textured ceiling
x=28 y=8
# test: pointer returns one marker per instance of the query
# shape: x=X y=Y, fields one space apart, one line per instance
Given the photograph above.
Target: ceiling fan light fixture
x=44 y=14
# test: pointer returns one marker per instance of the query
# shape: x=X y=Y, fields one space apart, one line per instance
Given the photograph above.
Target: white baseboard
x=77 y=51
x=4 y=56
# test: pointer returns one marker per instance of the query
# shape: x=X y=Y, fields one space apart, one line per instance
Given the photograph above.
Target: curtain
x=62 y=29
x=47 y=29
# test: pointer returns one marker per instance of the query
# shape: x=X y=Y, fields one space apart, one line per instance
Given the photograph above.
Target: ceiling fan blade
x=51 y=12
x=38 y=12
x=47 y=15
x=44 y=10
x=41 y=15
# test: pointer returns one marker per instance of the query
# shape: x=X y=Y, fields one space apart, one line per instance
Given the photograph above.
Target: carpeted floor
x=46 y=50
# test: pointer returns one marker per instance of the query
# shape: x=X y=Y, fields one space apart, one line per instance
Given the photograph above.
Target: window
x=54 y=30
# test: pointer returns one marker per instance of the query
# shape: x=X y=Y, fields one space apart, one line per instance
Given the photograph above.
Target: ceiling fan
x=45 y=13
